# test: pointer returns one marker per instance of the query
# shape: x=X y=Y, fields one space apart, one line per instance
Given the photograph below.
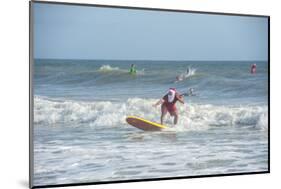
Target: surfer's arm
x=158 y=102
x=180 y=98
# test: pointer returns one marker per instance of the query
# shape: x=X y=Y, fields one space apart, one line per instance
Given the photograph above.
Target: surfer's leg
x=162 y=117
x=163 y=113
x=175 y=114
x=176 y=119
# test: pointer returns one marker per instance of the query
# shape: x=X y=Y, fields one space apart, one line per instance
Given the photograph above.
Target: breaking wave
x=50 y=112
x=108 y=68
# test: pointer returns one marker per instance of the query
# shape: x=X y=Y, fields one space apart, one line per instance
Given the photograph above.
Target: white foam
x=107 y=68
x=191 y=72
x=183 y=76
x=113 y=114
x=263 y=121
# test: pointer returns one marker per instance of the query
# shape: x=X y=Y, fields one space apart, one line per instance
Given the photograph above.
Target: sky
x=82 y=32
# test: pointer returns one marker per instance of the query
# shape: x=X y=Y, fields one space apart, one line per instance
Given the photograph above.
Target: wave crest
x=107 y=68
x=112 y=114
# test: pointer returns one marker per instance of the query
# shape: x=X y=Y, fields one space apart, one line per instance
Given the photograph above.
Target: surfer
x=178 y=78
x=191 y=92
x=169 y=104
x=183 y=76
x=253 y=68
x=187 y=71
x=133 y=69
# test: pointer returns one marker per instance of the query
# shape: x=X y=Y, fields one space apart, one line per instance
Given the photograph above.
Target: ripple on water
x=162 y=170
x=168 y=163
x=215 y=163
x=121 y=173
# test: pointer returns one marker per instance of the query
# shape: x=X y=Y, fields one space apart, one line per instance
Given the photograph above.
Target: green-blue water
x=80 y=133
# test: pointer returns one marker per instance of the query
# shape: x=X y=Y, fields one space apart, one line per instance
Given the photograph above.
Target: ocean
x=80 y=132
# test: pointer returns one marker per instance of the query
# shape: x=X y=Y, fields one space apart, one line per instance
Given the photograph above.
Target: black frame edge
x=268 y=54
x=31 y=149
x=149 y=180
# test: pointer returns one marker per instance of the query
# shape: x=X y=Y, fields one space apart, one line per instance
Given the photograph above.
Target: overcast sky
x=80 y=32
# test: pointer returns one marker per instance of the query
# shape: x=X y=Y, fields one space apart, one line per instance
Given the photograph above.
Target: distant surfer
x=179 y=78
x=183 y=76
x=133 y=69
x=169 y=104
x=191 y=92
x=253 y=68
x=187 y=71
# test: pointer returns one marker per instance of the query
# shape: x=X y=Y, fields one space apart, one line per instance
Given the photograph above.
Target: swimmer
x=133 y=69
x=253 y=68
x=191 y=92
x=187 y=71
x=183 y=76
x=179 y=78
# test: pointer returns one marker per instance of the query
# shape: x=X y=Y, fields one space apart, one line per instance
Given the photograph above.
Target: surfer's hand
x=181 y=98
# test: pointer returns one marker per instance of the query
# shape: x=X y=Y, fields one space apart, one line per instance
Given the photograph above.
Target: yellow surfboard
x=144 y=124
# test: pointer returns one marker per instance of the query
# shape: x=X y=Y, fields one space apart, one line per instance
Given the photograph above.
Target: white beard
x=172 y=96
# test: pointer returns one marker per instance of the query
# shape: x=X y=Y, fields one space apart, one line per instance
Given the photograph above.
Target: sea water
x=80 y=132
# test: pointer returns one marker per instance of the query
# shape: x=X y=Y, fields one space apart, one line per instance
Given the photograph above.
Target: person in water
x=253 y=68
x=169 y=104
x=183 y=76
x=191 y=92
x=133 y=69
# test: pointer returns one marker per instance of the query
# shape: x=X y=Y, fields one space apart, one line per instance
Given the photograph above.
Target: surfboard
x=143 y=124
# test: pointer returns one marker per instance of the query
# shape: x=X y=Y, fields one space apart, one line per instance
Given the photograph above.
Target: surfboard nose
x=144 y=124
